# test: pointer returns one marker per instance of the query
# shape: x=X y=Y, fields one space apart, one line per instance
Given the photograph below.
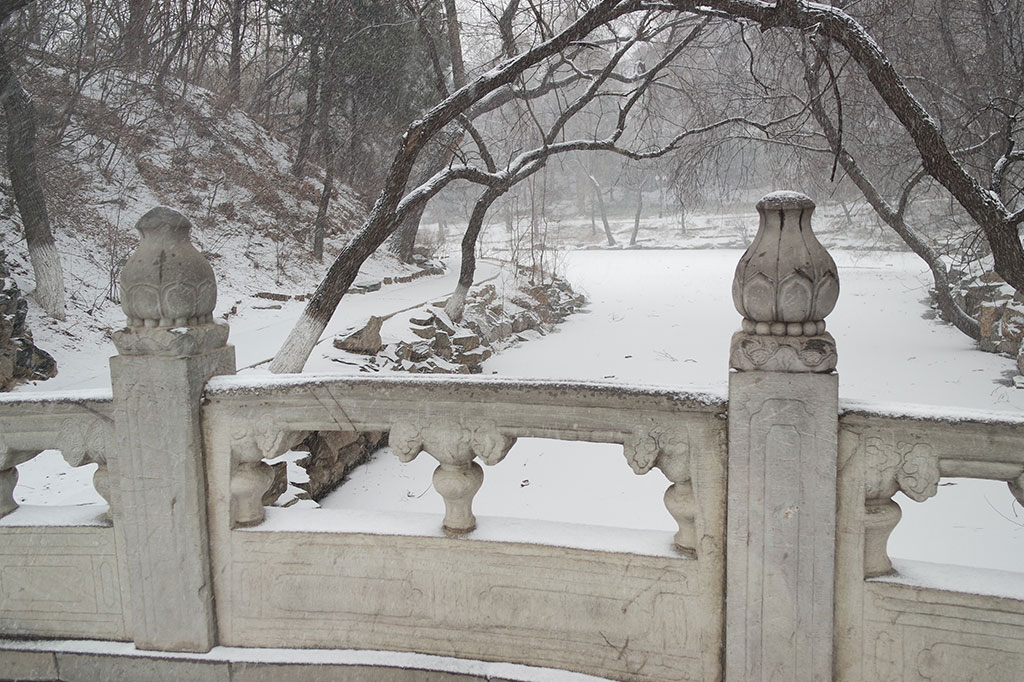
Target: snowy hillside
x=128 y=147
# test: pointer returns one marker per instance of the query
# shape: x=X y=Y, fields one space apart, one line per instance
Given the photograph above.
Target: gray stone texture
x=168 y=352
x=20 y=359
x=81 y=667
x=27 y=666
x=159 y=470
x=781 y=526
x=166 y=282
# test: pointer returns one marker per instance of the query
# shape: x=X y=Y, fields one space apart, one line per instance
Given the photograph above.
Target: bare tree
x=23 y=169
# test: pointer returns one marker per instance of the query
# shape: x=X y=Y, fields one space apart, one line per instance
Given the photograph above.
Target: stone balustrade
x=782 y=499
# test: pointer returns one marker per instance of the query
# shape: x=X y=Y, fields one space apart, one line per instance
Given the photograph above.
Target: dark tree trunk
x=309 y=114
x=136 y=45
x=601 y=209
x=404 y=240
x=636 y=218
x=457 y=303
x=28 y=192
x=320 y=224
x=235 y=59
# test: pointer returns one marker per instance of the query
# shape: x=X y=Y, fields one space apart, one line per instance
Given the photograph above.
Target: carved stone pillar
x=168 y=351
x=454 y=443
x=783 y=426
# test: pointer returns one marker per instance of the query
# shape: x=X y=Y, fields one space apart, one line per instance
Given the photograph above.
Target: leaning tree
x=984 y=199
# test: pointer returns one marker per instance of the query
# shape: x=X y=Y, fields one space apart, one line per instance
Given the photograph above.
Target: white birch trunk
x=457 y=303
x=49 y=279
x=298 y=346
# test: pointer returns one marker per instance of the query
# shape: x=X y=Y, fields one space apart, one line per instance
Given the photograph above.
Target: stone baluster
x=783 y=426
x=891 y=465
x=170 y=347
x=87 y=442
x=9 y=459
x=253 y=440
x=668 y=448
x=454 y=444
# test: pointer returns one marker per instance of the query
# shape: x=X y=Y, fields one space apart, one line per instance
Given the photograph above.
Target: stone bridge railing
x=783 y=503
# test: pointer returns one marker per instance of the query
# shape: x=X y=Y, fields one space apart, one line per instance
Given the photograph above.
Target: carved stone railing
x=190 y=558
x=456 y=421
x=79 y=424
x=436 y=589
x=909 y=453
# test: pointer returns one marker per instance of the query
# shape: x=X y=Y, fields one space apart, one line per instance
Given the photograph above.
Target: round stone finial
x=786 y=282
x=166 y=282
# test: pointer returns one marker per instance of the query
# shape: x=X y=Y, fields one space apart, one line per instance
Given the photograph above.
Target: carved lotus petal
x=796 y=297
x=785 y=275
x=166 y=279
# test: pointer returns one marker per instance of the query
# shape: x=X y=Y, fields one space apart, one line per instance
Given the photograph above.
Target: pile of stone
x=999 y=311
x=20 y=359
x=488 y=324
x=439 y=346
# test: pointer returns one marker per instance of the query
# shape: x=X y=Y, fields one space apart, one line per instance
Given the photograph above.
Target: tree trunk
x=136 y=45
x=457 y=303
x=28 y=192
x=950 y=309
x=600 y=207
x=636 y=218
x=404 y=240
x=454 y=44
x=320 y=224
x=235 y=59
x=385 y=214
x=309 y=114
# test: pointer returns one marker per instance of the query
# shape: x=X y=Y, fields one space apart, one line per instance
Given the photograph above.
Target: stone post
x=783 y=426
x=170 y=347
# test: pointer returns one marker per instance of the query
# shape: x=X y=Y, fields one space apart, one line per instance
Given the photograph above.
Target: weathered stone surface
x=160 y=474
x=20 y=359
x=782 y=526
x=80 y=667
x=169 y=350
x=366 y=340
x=166 y=282
x=785 y=276
x=750 y=352
x=248 y=672
x=28 y=666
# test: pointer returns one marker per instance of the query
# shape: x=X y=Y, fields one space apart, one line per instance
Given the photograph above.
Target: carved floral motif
x=785 y=282
x=909 y=466
x=918 y=473
x=749 y=352
x=668 y=448
x=450 y=441
x=84 y=442
x=254 y=439
x=166 y=282
x=453 y=443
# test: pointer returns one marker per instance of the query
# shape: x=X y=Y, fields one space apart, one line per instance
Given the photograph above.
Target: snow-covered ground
x=665 y=318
